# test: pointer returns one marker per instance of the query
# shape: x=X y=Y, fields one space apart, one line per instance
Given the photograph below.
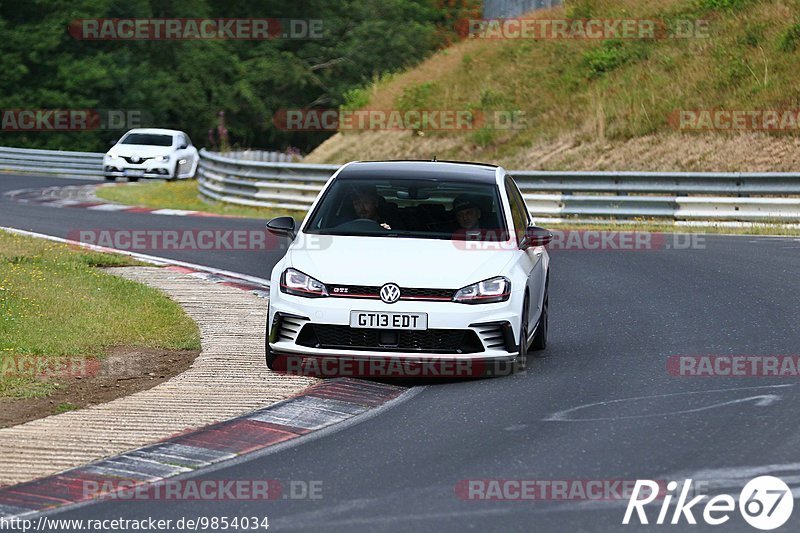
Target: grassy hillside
x=603 y=104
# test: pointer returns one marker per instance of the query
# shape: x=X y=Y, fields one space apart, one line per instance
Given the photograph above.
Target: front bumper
x=320 y=327
x=120 y=168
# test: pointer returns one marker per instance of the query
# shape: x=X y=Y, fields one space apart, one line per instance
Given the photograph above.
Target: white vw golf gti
x=414 y=260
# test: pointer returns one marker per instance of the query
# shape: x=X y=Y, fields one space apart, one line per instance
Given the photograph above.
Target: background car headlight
x=485 y=292
x=162 y=158
x=298 y=284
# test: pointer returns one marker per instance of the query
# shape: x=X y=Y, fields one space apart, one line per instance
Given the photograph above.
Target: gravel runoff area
x=228 y=378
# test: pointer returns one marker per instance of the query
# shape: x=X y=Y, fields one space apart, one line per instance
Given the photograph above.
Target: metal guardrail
x=688 y=196
x=51 y=162
x=493 y=9
x=261 y=155
x=677 y=196
x=261 y=184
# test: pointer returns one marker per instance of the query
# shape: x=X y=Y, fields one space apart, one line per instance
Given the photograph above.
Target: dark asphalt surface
x=61 y=221
x=616 y=316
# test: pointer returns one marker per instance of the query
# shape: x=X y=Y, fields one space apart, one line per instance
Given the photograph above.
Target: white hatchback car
x=413 y=260
x=151 y=153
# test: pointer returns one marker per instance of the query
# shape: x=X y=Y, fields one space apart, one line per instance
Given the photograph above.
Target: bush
x=729 y=5
x=610 y=56
x=415 y=96
x=790 y=38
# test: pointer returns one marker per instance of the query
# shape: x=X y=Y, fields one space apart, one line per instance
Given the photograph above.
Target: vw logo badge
x=390 y=293
x=135 y=159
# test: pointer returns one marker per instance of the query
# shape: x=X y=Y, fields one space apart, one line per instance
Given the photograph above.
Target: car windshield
x=414 y=208
x=149 y=139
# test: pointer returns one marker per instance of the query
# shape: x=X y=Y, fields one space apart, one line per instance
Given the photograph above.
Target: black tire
x=521 y=362
x=174 y=176
x=270 y=355
x=132 y=179
x=540 y=338
x=110 y=178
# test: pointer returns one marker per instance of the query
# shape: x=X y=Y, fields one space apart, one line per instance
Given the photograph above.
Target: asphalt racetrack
x=598 y=405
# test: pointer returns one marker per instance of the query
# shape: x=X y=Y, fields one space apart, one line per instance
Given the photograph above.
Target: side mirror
x=536 y=236
x=183 y=147
x=282 y=226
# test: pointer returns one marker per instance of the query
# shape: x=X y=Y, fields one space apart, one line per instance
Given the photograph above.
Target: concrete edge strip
x=36 y=197
x=258 y=286
x=318 y=407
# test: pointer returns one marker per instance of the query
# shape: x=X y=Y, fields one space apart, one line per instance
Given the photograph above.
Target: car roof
x=161 y=131
x=433 y=170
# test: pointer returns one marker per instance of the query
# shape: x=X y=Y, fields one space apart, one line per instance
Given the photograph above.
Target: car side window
x=181 y=140
x=187 y=140
x=519 y=211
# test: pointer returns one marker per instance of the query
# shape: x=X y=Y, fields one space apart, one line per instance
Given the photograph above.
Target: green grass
x=55 y=302
x=615 y=90
x=181 y=195
x=64 y=407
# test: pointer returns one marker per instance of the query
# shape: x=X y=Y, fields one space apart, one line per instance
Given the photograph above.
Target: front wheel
x=270 y=355
x=521 y=362
x=540 y=339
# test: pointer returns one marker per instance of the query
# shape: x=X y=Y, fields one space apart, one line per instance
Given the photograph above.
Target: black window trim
x=310 y=216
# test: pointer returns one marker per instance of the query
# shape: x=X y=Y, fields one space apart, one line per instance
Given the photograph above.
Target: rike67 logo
x=765 y=503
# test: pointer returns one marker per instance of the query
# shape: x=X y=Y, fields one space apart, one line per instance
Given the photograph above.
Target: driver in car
x=366 y=204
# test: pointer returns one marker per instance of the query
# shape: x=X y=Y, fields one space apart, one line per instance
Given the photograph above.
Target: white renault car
x=151 y=153
x=414 y=260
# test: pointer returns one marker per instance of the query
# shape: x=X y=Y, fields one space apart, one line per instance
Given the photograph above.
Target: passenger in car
x=467 y=212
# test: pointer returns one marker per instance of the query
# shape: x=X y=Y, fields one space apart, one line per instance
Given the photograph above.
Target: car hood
x=142 y=150
x=419 y=263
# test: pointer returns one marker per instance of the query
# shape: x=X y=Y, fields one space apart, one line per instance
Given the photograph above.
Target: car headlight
x=485 y=292
x=296 y=283
x=162 y=158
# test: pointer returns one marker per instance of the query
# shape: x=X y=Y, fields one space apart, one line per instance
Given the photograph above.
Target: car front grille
x=139 y=160
x=496 y=335
x=285 y=327
x=331 y=336
x=372 y=292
